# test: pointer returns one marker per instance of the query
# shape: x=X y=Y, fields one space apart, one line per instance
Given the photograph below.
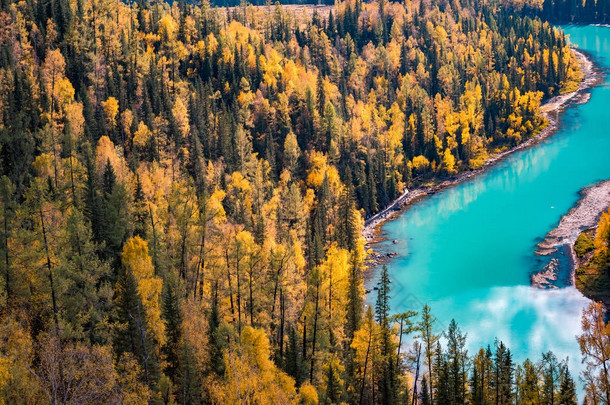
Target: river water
x=468 y=251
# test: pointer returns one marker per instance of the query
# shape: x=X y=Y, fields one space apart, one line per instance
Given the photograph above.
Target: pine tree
x=108 y=179
x=353 y=319
x=502 y=377
x=108 y=212
x=7 y=190
x=476 y=392
x=441 y=381
x=425 y=393
x=140 y=211
x=132 y=334
x=85 y=300
x=172 y=317
x=346 y=233
x=382 y=305
x=333 y=385
x=188 y=379
x=429 y=339
x=93 y=205
x=388 y=383
x=372 y=201
x=527 y=382
x=293 y=361
x=354 y=297
x=567 y=388
x=551 y=373
x=457 y=359
x=217 y=364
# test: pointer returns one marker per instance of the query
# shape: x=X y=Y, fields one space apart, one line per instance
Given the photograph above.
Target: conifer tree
x=293 y=361
x=430 y=339
x=567 y=388
x=551 y=370
x=217 y=364
x=333 y=385
x=7 y=189
x=502 y=376
x=425 y=393
x=457 y=359
x=133 y=334
x=172 y=317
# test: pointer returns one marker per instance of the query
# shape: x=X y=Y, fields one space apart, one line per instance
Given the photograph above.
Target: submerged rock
x=546 y=278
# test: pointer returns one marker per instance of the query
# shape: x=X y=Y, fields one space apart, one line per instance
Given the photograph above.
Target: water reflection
x=469 y=250
x=528 y=320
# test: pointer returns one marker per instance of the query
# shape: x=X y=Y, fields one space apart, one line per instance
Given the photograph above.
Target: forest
x=564 y=11
x=571 y=11
x=184 y=188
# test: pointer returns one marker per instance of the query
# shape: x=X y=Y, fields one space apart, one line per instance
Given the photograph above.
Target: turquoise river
x=468 y=251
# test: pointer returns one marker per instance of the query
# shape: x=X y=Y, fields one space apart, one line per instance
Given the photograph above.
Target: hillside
x=184 y=189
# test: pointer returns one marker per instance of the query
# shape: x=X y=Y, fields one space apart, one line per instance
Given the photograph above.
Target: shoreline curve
x=551 y=110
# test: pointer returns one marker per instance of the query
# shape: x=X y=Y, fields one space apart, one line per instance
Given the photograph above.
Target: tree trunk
x=50 y=269
x=183 y=246
x=315 y=331
x=6 y=260
x=429 y=355
x=282 y=313
x=304 y=337
x=53 y=298
x=152 y=223
x=230 y=284
x=72 y=178
x=414 y=399
x=606 y=381
x=276 y=284
x=399 y=344
x=366 y=362
x=53 y=127
x=200 y=263
x=251 y=299
x=237 y=261
x=183 y=255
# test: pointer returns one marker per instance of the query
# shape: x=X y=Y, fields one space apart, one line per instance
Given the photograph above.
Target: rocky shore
x=594 y=200
x=584 y=215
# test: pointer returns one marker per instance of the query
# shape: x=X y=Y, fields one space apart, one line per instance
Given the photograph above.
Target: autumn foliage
x=183 y=188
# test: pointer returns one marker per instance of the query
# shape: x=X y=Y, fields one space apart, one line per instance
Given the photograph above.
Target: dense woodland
x=564 y=11
x=573 y=11
x=183 y=191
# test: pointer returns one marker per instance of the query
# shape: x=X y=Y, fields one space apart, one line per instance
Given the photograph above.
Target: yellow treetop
x=106 y=151
x=136 y=259
x=601 y=236
x=111 y=109
x=251 y=376
x=142 y=135
x=449 y=161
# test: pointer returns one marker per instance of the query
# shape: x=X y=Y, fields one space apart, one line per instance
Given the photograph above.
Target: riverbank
x=591 y=277
x=550 y=109
x=560 y=241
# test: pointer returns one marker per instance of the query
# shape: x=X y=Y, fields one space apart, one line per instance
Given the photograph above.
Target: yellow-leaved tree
x=595 y=348
x=601 y=236
x=449 y=161
x=251 y=376
x=136 y=259
x=111 y=109
x=4 y=375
